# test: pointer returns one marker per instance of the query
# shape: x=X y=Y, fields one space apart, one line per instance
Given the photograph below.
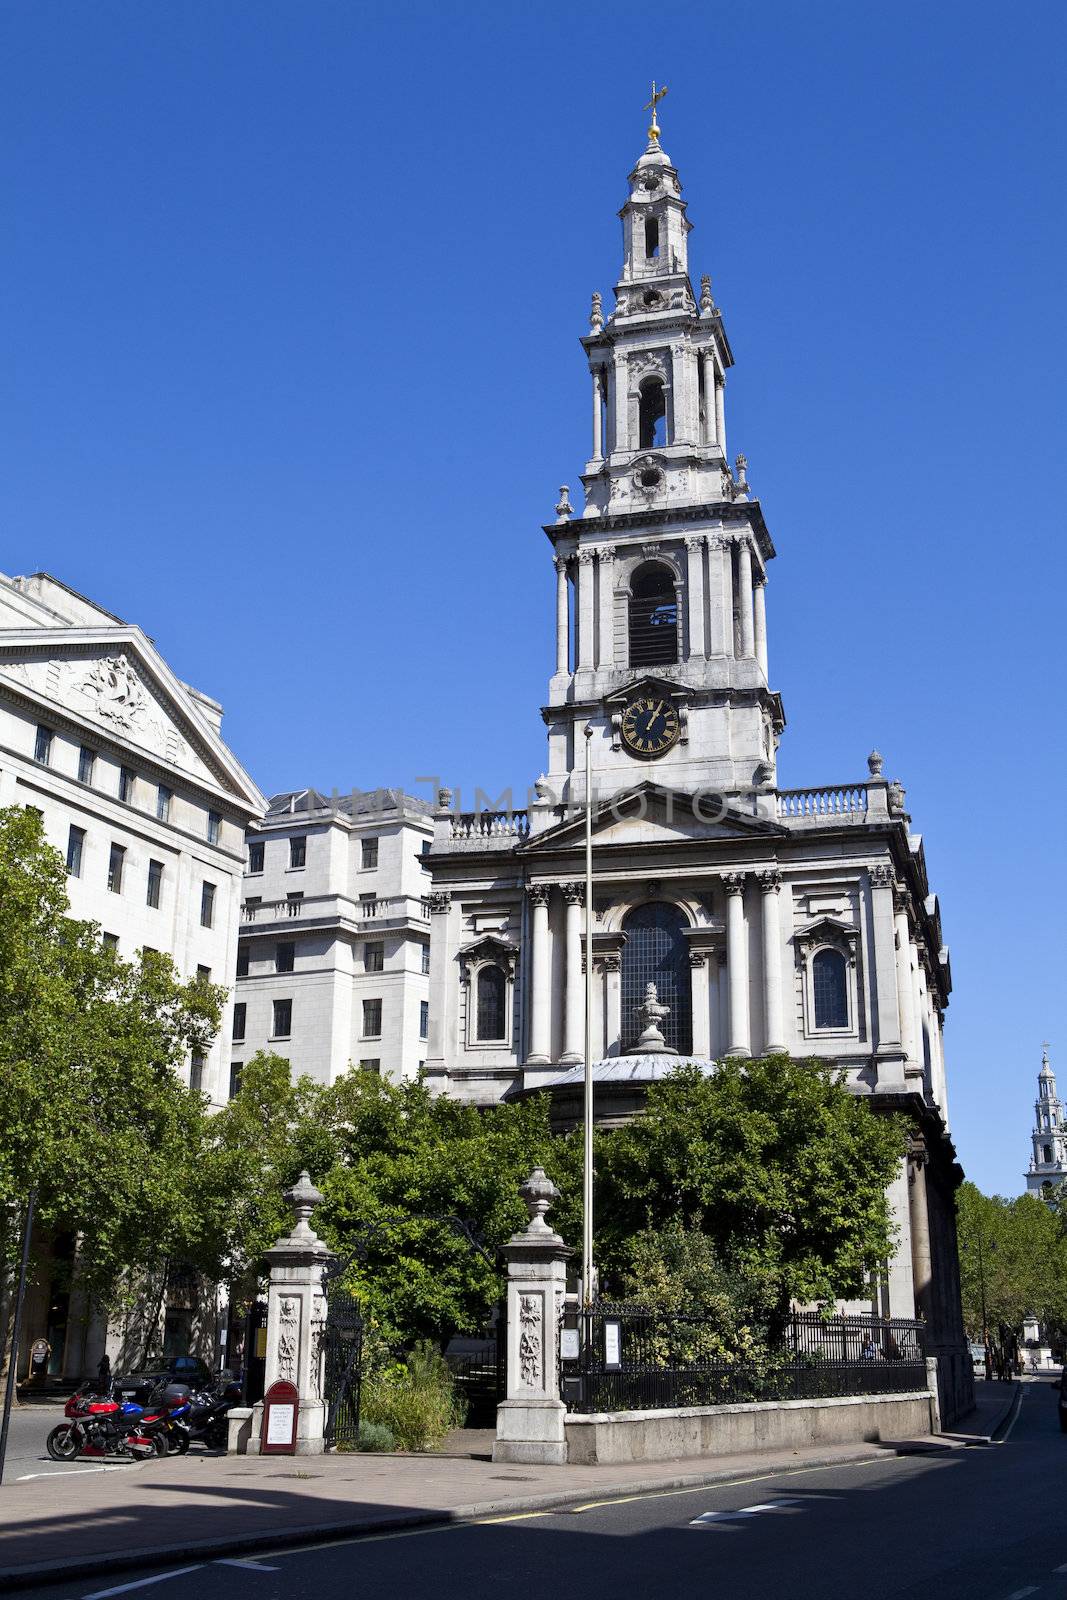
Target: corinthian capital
x=573 y=893
x=439 y=900
x=733 y=882
x=769 y=880
x=539 y=893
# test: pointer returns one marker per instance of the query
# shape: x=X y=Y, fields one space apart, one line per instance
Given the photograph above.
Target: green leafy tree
x=1018 y=1250
x=785 y=1167
x=93 y=1112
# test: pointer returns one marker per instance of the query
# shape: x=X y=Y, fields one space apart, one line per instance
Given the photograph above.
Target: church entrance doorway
x=656 y=952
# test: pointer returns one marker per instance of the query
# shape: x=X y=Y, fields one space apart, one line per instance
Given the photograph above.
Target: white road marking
x=69 y=1472
x=142 y=1583
x=742 y=1511
x=250 y=1565
x=1020 y=1594
x=1061 y=1569
x=1004 y=1439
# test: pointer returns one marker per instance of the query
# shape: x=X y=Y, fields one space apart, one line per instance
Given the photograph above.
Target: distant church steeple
x=1048 y=1164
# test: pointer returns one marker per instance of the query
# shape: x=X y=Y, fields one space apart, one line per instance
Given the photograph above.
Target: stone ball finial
x=538 y=1193
x=875 y=763
x=564 y=509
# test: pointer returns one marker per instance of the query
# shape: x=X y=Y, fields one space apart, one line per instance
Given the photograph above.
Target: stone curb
x=309 y=1535
x=1013 y=1400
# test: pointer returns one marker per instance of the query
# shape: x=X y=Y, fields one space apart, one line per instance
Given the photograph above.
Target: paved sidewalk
x=91 y=1519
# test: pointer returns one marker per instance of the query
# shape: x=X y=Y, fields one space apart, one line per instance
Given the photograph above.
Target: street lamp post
x=587 y=1173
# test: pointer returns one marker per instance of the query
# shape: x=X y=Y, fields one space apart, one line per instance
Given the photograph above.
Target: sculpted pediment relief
x=116 y=692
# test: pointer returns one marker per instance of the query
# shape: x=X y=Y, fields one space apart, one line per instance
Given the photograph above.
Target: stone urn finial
x=538 y=1194
x=303 y=1197
x=650 y=1014
x=596 y=314
x=564 y=509
x=875 y=763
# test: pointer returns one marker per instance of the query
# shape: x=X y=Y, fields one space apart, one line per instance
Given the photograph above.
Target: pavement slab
x=85 y=1519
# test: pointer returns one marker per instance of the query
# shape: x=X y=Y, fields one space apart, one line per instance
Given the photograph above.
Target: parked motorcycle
x=206 y=1421
x=100 y=1424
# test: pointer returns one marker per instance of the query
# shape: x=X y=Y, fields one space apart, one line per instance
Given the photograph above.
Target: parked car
x=978 y=1359
x=177 y=1369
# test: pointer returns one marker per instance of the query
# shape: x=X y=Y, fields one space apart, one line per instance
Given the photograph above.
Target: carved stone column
x=574 y=1017
x=759 y=600
x=605 y=568
x=720 y=413
x=905 y=985
x=737 y=964
x=540 y=977
x=440 y=904
x=530 y=1420
x=585 y=610
x=710 y=434
x=770 y=883
x=919 y=1218
x=744 y=597
x=613 y=1004
x=561 y=615
x=296 y=1315
x=701 y=1003
x=695 y=597
x=598 y=442
x=887 y=1004
x=720 y=597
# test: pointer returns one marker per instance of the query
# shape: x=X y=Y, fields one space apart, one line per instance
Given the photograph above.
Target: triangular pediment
x=114 y=684
x=662 y=688
x=651 y=814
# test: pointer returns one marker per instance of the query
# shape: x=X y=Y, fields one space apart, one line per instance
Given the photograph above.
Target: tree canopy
x=1019 y=1249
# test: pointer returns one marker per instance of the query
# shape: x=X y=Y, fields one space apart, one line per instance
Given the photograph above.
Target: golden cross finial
x=657 y=96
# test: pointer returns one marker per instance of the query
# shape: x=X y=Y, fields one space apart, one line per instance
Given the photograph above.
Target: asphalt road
x=984 y=1523
x=30 y=1426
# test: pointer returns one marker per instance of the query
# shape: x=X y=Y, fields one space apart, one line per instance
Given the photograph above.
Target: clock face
x=649 y=725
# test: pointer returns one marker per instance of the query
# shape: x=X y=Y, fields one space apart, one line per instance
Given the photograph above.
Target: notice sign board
x=281 y=1406
x=612 y=1345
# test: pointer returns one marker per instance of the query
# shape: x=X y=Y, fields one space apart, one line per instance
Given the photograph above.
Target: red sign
x=281 y=1406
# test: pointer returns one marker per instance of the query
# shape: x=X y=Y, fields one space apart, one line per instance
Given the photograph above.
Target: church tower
x=1048 y=1164
x=661 y=635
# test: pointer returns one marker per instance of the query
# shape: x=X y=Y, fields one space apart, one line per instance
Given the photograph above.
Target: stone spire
x=1048 y=1164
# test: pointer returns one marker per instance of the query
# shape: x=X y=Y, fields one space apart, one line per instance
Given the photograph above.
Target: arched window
x=653 y=617
x=656 y=952
x=652 y=415
x=651 y=238
x=830 y=983
x=1046 y=1154
x=492 y=993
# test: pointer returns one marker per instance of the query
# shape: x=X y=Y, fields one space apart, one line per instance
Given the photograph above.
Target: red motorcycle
x=100 y=1425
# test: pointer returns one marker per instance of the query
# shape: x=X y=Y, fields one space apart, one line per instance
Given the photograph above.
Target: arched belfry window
x=651 y=238
x=652 y=415
x=653 y=617
x=829 y=977
x=656 y=952
x=491 y=1000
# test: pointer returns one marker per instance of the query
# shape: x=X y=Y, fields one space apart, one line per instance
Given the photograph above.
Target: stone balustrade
x=334 y=907
x=835 y=800
x=491 y=825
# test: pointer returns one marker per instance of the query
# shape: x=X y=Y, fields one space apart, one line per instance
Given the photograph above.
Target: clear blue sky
x=291 y=301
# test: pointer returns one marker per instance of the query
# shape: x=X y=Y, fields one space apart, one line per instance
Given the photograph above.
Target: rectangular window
x=214 y=827
x=370 y=852
x=155 y=883
x=86 y=764
x=42 y=749
x=283 y=1019
x=196 y=1072
x=373 y=1066
x=284 y=956
x=298 y=851
x=372 y=1019
x=424 y=851
x=424 y=1018
x=114 y=868
x=425 y=949
x=75 y=840
x=240 y=1013
x=207 y=905
x=374 y=957
x=235 y=1077
x=163 y=799
x=203 y=974
x=256 y=853
x=127 y=780
x=242 y=960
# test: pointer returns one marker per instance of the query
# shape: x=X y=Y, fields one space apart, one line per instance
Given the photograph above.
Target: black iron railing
x=629 y=1358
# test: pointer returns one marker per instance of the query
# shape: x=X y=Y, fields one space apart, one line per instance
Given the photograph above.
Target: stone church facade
x=769 y=919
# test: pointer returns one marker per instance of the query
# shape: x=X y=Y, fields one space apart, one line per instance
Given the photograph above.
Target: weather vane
x=657 y=96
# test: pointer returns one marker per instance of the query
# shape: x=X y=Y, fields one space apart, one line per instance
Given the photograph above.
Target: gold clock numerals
x=649 y=726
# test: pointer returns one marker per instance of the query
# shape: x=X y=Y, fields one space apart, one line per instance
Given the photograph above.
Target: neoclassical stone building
x=769 y=919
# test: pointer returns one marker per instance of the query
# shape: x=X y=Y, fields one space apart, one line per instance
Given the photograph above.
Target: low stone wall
x=729 y=1430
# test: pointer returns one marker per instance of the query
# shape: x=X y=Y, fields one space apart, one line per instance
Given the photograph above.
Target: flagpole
x=587 y=1174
